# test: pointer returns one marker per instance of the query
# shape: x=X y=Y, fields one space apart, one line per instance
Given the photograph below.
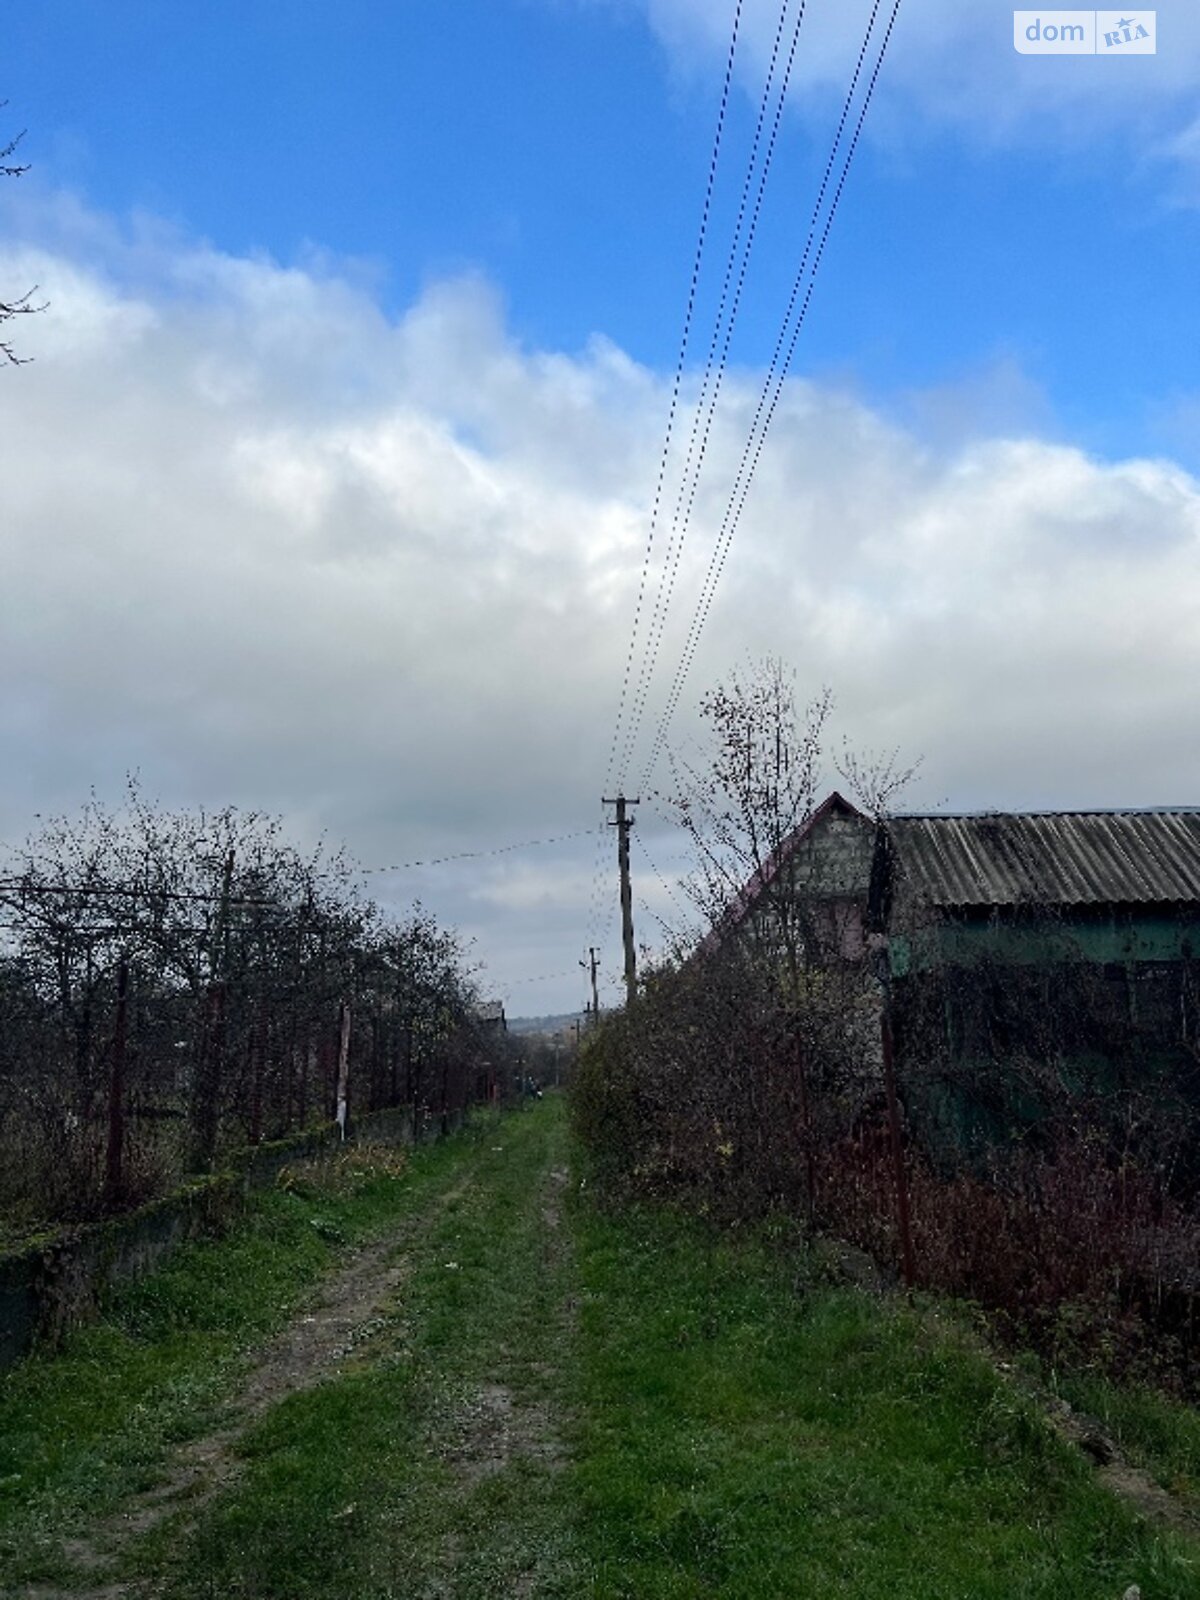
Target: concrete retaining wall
x=56 y=1283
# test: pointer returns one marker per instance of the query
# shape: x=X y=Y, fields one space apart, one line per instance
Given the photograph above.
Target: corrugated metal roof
x=1053 y=858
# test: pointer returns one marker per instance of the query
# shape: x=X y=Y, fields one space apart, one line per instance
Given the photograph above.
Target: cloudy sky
x=328 y=487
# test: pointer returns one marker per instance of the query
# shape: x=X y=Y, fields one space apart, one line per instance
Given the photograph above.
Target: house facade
x=1021 y=955
x=1034 y=956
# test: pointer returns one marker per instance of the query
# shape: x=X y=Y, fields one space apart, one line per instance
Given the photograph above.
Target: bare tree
x=24 y=304
x=743 y=801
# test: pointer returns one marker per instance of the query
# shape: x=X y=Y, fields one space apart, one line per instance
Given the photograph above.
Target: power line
x=777 y=372
x=26 y=887
x=475 y=855
x=679 y=906
x=666 y=927
x=596 y=903
x=598 y=922
x=679 y=366
x=542 y=977
x=706 y=406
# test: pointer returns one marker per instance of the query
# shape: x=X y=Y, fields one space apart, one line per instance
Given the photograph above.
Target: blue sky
x=559 y=149
x=329 y=482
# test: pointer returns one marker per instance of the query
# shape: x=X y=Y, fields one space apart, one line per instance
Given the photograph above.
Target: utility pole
x=593 y=963
x=115 y=1164
x=343 y=1067
x=206 y=1081
x=623 y=824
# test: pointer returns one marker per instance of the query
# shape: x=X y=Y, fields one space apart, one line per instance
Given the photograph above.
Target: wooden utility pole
x=623 y=824
x=206 y=1086
x=343 y=1068
x=593 y=963
x=115 y=1164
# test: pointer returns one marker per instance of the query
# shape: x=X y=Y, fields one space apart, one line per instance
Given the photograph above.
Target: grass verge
x=1154 y=1432
x=562 y=1402
x=750 y=1435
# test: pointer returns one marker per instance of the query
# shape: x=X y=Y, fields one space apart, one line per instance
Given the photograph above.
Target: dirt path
x=347 y=1311
x=428 y=1434
x=491 y=1426
x=501 y=1422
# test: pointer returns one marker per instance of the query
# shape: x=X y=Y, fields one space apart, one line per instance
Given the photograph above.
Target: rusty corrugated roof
x=1052 y=858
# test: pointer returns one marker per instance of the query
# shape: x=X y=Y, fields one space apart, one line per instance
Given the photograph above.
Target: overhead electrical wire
x=542 y=977
x=778 y=370
x=738 y=262
x=595 y=897
x=684 y=344
x=685 y=340
x=679 y=906
x=22 y=887
x=785 y=346
x=475 y=855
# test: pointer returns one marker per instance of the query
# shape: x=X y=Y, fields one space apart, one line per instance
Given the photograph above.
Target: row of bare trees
x=176 y=982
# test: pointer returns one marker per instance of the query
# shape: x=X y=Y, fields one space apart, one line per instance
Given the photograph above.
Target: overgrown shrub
x=715 y=1094
x=698 y=1093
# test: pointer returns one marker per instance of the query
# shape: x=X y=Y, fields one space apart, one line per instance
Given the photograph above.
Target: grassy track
x=433 y=1464
x=543 y=1400
x=83 y=1434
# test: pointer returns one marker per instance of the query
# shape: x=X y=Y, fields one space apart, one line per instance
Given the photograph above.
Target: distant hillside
x=542 y=1024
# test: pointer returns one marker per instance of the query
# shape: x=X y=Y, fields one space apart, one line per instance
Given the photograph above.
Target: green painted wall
x=1106 y=1001
x=1110 y=938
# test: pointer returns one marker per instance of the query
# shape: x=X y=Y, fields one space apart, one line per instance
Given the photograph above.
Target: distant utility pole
x=623 y=824
x=593 y=963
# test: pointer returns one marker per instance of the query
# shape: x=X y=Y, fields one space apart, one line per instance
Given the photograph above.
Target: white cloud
x=952 y=64
x=266 y=545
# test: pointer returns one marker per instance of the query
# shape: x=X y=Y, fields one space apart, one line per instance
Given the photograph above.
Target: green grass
x=82 y=1429
x=1154 y=1432
x=390 y=1479
x=567 y=1403
x=747 y=1437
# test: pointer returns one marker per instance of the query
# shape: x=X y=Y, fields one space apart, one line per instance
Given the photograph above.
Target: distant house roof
x=488 y=1011
x=1048 y=858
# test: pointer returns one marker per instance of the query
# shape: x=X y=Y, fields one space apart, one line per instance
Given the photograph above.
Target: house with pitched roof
x=1065 y=941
